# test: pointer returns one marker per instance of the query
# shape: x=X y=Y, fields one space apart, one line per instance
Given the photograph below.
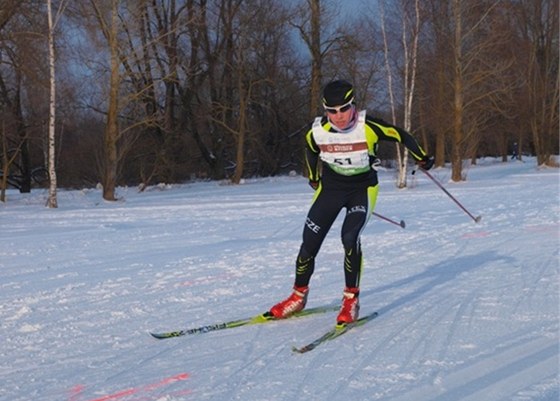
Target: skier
x=344 y=142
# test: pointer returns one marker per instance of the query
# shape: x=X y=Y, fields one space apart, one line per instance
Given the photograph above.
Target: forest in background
x=151 y=91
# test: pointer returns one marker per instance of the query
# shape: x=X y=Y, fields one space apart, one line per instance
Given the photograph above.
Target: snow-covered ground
x=466 y=311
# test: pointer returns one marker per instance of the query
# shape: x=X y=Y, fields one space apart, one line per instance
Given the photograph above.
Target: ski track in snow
x=467 y=311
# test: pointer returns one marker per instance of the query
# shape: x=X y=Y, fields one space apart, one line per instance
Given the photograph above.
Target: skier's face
x=340 y=115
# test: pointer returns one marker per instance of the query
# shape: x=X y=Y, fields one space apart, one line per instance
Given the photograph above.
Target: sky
x=467 y=311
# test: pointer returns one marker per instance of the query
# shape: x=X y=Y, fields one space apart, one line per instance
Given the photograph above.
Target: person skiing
x=340 y=154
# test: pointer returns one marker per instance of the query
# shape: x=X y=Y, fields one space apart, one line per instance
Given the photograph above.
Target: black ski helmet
x=337 y=93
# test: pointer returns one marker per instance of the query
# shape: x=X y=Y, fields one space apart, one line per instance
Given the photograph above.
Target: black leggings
x=327 y=204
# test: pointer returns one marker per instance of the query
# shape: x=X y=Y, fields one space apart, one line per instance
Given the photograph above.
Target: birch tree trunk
x=52 y=198
x=387 y=64
x=389 y=72
x=411 y=59
x=410 y=62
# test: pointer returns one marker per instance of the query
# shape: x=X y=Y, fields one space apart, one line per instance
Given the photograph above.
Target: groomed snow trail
x=467 y=312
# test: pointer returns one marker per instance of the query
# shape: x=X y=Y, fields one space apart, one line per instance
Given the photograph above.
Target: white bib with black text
x=345 y=153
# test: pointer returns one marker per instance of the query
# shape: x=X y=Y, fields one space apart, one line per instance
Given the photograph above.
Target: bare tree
x=410 y=50
x=7 y=160
x=314 y=44
x=388 y=69
x=194 y=104
x=458 y=96
x=112 y=128
x=150 y=57
x=307 y=21
x=410 y=61
x=434 y=94
x=52 y=198
x=312 y=18
x=21 y=83
x=538 y=21
x=471 y=81
x=181 y=88
x=110 y=32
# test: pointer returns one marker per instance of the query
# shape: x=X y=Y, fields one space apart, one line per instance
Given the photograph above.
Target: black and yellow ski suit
x=346 y=179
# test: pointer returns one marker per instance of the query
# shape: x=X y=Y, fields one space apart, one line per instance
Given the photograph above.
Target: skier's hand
x=314 y=184
x=426 y=162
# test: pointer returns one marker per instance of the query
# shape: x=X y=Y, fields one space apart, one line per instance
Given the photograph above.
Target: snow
x=467 y=311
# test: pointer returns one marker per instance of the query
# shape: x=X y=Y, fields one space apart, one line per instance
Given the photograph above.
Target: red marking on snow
x=75 y=392
x=120 y=394
x=169 y=380
x=134 y=390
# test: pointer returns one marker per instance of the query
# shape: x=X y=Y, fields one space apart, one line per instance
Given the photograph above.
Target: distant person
x=515 y=152
x=345 y=140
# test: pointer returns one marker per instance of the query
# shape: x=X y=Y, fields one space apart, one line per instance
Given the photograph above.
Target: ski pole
x=402 y=224
x=476 y=219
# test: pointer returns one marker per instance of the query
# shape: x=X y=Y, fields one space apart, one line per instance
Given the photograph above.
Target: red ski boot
x=294 y=303
x=350 y=306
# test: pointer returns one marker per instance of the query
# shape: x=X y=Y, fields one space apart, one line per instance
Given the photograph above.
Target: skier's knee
x=349 y=241
x=304 y=254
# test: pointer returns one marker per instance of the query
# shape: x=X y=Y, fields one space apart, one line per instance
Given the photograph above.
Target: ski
x=333 y=333
x=258 y=319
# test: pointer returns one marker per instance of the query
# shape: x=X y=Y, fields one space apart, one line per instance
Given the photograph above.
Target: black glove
x=426 y=162
x=314 y=184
